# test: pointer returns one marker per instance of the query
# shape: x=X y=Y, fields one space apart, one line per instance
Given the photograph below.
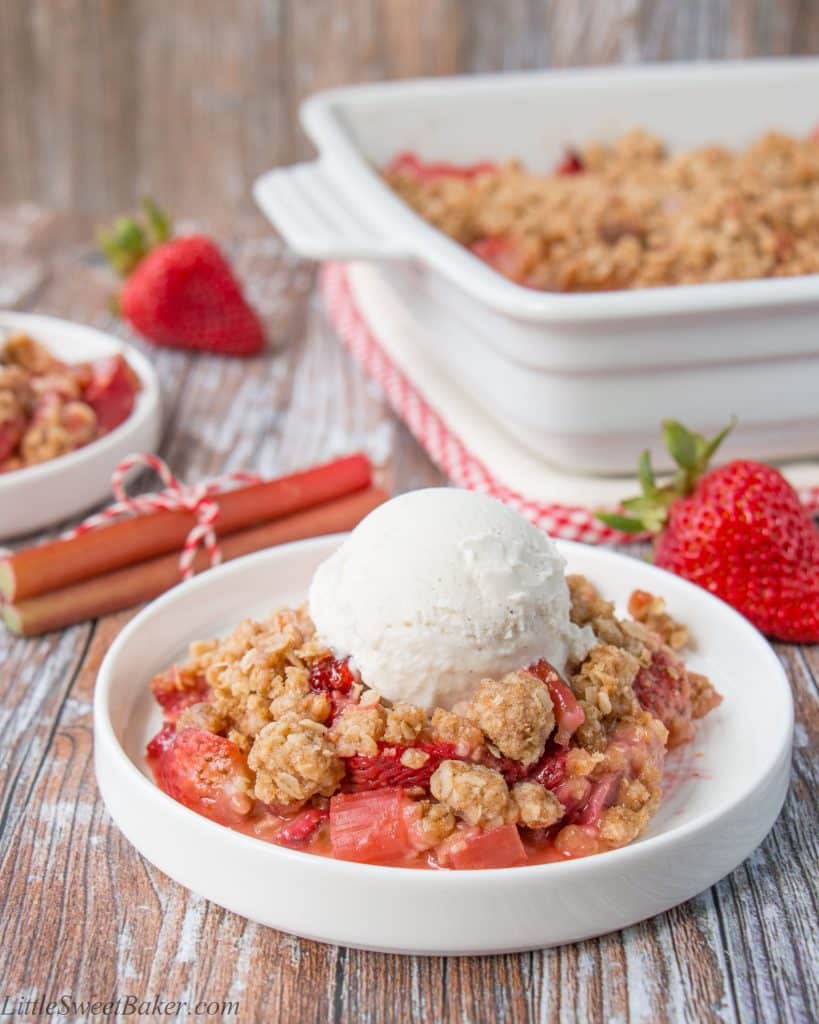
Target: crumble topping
x=257 y=672
x=294 y=760
x=405 y=722
x=301 y=728
x=203 y=715
x=475 y=793
x=650 y=610
x=434 y=823
x=358 y=729
x=537 y=806
x=631 y=214
x=447 y=727
x=515 y=713
x=49 y=408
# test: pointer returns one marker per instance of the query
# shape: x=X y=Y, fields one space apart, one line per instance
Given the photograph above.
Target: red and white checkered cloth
x=444 y=447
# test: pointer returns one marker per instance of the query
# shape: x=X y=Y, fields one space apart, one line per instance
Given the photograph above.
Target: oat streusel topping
x=537 y=806
x=358 y=729
x=447 y=727
x=294 y=759
x=650 y=610
x=258 y=672
x=475 y=793
x=435 y=822
x=308 y=730
x=636 y=215
x=515 y=713
x=405 y=722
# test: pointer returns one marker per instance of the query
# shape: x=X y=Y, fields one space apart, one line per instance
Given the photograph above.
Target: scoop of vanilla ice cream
x=438 y=589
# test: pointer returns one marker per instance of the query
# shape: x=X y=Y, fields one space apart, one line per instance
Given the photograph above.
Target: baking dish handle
x=315 y=219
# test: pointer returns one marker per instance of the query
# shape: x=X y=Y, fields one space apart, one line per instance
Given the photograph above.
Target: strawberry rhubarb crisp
x=275 y=732
x=630 y=214
x=49 y=408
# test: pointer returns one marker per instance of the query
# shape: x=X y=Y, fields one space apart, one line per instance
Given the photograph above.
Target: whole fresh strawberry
x=180 y=292
x=739 y=531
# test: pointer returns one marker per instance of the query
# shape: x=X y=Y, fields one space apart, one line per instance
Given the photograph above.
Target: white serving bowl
x=39 y=496
x=582 y=379
x=727 y=789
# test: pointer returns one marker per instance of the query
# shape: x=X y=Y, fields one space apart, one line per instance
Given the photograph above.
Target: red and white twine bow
x=198 y=499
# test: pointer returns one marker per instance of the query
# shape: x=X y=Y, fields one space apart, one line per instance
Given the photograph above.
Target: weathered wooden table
x=82 y=915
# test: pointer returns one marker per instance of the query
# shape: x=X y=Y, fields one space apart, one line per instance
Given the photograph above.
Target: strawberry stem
x=648 y=511
x=127 y=241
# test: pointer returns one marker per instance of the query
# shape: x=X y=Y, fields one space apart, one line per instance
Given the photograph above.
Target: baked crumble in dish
x=268 y=732
x=49 y=408
x=630 y=214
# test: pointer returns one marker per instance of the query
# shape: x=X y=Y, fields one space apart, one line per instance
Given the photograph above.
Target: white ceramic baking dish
x=582 y=379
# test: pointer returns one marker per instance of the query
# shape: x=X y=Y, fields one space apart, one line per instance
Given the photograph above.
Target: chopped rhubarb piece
x=369 y=826
x=603 y=795
x=175 y=690
x=574 y=795
x=498 y=848
x=571 y=163
x=413 y=166
x=569 y=716
x=112 y=391
x=301 y=828
x=388 y=770
x=208 y=774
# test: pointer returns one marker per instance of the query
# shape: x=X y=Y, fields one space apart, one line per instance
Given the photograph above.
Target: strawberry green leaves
x=127 y=241
x=648 y=511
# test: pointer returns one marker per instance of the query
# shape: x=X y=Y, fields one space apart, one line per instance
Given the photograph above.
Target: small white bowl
x=725 y=790
x=41 y=495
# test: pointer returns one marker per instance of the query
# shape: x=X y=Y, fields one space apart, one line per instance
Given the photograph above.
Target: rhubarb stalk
x=134 y=584
x=57 y=564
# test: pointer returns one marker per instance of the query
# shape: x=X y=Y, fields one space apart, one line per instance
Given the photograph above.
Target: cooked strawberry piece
x=571 y=163
x=413 y=166
x=160 y=743
x=11 y=432
x=550 y=770
x=175 y=690
x=603 y=795
x=370 y=826
x=206 y=773
x=387 y=770
x=331 y=674
x=503 y=254
x=111 y=392
x=569 y=716
x=512 y=771
x=662 y=687
x=301 y=828
x=498 y=848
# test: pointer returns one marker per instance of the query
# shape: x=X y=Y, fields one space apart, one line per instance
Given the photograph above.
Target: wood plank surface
x=83 y=914
x=102 y=101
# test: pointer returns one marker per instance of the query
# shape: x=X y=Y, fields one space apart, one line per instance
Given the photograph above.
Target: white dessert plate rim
x=778 y=742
